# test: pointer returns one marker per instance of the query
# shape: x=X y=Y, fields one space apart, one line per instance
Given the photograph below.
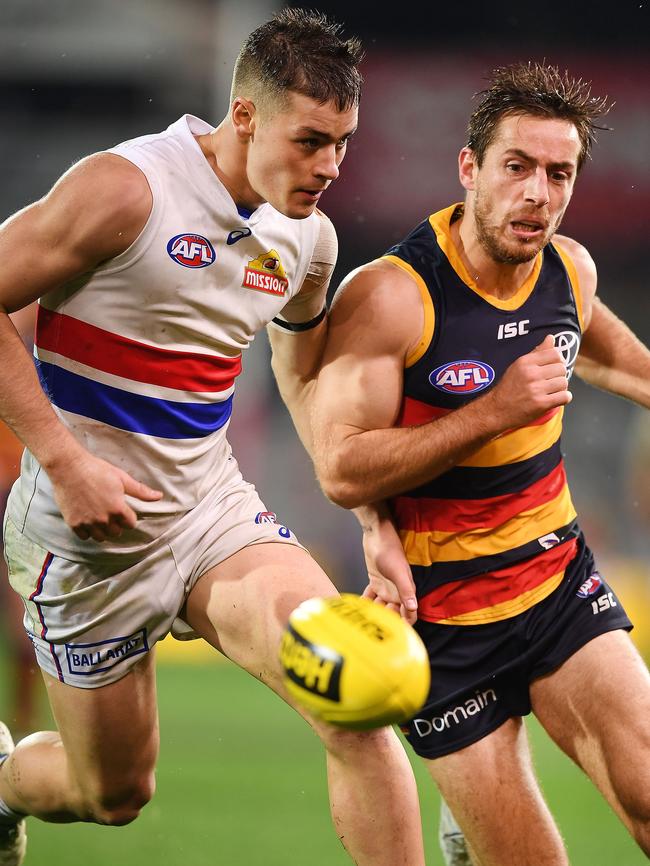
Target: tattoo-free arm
x=359 y=453
x=297 y=354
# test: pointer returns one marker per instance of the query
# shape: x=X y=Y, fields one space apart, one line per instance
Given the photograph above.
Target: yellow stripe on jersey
x=571 y=270
x=506 y=609
x=429 y=312
x=425 y=548
x=519 y=444
x=440 y=223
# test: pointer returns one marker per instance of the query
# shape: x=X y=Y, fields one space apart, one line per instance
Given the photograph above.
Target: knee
x=345 y=744
x=118 y=804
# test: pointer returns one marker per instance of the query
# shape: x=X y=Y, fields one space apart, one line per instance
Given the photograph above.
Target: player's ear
x=242 y=116
x=467 y=168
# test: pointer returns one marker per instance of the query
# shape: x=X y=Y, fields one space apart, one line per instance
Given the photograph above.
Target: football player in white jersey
x=154 y=265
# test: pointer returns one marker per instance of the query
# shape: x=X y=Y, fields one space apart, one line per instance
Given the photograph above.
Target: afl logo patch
x=191 y=251
x=590 y=586
x=462 y=377
x=266 y=517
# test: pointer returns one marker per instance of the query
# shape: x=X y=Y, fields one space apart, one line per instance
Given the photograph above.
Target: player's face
x=524 y=186
x=295 y=153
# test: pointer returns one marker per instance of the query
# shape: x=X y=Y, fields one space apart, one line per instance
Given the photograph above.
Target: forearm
x=633 y=385
x=295 y=363
x=24 y=406
x=373 y=465
x=613 y=358
x=372 y=515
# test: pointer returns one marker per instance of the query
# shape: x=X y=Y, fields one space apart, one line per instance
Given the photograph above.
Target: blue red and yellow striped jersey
x=492 y=536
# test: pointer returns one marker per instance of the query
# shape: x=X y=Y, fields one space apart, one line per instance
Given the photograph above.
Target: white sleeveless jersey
x=140 y=357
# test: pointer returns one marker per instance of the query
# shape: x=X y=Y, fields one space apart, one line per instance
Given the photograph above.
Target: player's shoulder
x=104 y=201
x=578 y=253
x=381 y=281
x=326 y=230
x=378 y=302
x=105 y=180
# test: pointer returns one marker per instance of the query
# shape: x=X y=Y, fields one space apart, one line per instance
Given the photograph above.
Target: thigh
x=596 y=707
x=110 y=734
x=91 y=621
x=492 y=791
x=241 y=605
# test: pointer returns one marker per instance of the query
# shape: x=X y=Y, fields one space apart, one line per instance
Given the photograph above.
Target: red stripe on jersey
x=464 y=515
x=130 y=359
x=478 y=593
x=415 y=412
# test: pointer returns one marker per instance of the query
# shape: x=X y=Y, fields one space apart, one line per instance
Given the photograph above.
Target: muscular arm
x=93 y=213
x=611 y=357
x=360 y=456
x=297 y=354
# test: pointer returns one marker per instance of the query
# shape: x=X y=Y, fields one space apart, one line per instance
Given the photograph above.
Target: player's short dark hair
x=542 y=91
x=300 y=50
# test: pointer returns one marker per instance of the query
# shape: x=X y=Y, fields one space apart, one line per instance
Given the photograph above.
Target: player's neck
x=227 y=160
x=499 y=279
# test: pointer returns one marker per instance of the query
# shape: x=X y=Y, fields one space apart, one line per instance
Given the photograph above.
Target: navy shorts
x=481 y=674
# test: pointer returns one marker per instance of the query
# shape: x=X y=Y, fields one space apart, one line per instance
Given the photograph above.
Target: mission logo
x=266 y=274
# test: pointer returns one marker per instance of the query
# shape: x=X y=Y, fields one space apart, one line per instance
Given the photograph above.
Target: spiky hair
x=542 y=91
x=300 y=50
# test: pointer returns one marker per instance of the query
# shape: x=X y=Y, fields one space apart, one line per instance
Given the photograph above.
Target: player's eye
x=515 y=167
x=310 y=143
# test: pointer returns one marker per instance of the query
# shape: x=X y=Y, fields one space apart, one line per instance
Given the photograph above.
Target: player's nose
x=536 y=189
x=327 y=166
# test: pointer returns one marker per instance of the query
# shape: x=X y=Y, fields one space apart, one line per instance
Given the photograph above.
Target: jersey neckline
x=441 y=224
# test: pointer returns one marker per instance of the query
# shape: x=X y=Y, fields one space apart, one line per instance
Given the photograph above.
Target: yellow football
x=354 y=663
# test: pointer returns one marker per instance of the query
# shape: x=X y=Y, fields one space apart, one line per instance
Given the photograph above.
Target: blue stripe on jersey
x=167 y=419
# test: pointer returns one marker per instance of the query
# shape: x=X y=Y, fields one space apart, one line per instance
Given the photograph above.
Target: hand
x=532 y=385
x=90 y=493
x=390 y=582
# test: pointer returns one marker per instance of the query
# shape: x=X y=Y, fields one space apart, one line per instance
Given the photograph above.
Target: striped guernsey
x=492 y=536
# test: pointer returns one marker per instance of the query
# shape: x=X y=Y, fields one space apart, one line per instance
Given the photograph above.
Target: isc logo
x=191 y=251
x=513 y=329
x=462 y=377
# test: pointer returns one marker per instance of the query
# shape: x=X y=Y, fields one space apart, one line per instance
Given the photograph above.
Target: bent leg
x=99 y=766
x=241 y=607
x=596 y=707
x=492 y=792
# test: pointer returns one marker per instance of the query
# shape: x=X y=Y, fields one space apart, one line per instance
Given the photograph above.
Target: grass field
x=241 y=783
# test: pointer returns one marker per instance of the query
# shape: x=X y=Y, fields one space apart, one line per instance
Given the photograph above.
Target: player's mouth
x=312 y=195
x=528 y=228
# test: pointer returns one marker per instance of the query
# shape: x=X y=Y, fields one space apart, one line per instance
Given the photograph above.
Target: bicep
x=372 y=325
x=93 y=213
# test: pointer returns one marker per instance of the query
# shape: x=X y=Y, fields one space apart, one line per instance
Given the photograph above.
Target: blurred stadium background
x=241 y=780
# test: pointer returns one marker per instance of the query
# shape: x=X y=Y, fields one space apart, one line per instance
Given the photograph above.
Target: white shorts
x=90 y=623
